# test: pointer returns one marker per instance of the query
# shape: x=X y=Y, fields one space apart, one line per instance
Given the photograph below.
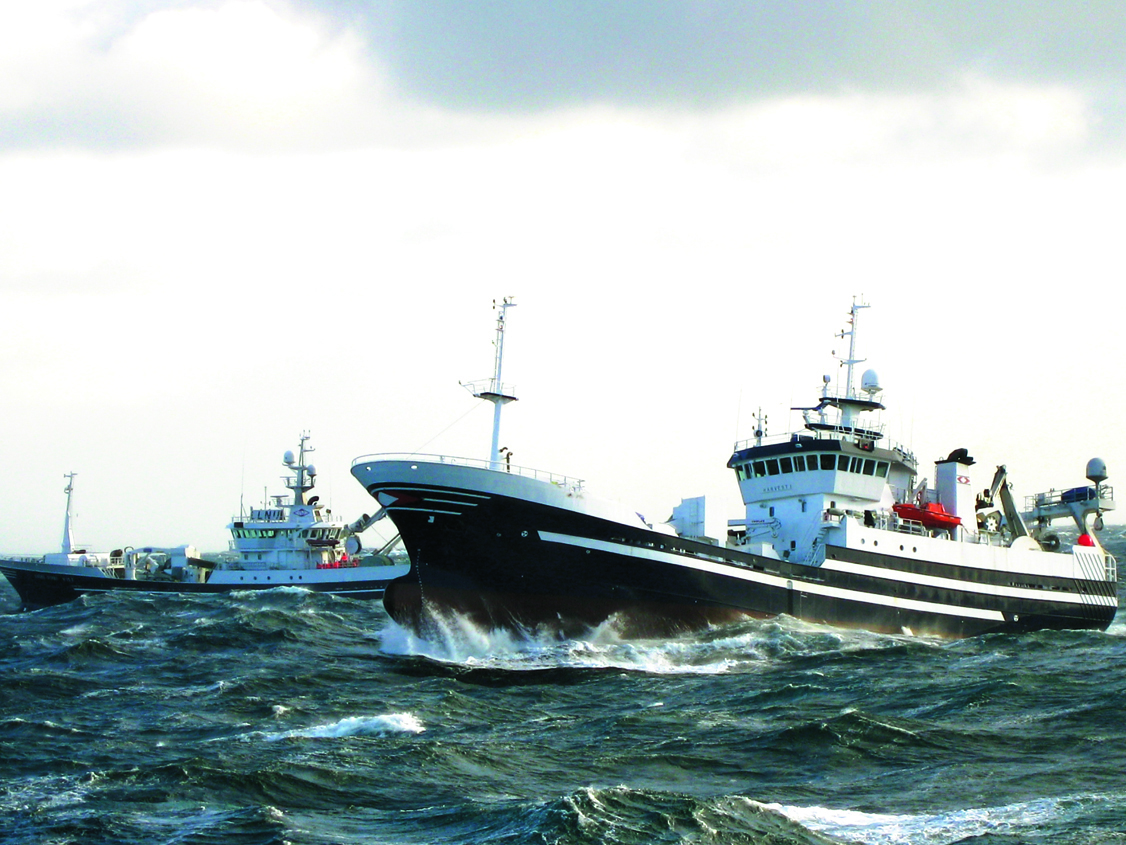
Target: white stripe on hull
x=780 y=582
x=966 y=586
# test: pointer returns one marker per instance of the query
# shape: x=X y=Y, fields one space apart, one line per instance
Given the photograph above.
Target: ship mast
x=848 y=412
x=850 y=333
x=68 y=536
x=303 y=475
x=495 y=391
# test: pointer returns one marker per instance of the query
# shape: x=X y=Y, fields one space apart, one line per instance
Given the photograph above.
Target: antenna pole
x=302 y=482
x=496 y=392
x=852 y=360
x=68 y=537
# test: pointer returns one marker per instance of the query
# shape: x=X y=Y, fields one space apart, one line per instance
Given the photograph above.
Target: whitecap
x=929 y=828
x=386 y=725
x=455 y=639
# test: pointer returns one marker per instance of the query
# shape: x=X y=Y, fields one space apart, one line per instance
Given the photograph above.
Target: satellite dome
x=870 y=382
x=288 y=458
x=1096 y=470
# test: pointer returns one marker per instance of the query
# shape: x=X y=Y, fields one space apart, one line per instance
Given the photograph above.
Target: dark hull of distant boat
x=512 y=561
x=42 y=585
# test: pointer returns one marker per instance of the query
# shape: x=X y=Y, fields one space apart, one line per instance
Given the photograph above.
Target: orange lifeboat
x=931 y=515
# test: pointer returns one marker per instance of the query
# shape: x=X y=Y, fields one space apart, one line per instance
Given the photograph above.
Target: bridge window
x=772 y=467
x=869 y=466
x=786 y=465
x=827 y=462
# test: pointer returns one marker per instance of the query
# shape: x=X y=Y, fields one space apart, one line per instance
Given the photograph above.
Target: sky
x=226 y=223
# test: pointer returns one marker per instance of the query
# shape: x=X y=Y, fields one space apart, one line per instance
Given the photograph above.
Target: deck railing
x=475 y=463
x=807 y=435
x=1073 y=495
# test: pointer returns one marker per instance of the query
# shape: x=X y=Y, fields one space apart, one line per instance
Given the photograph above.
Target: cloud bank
x=314 y=74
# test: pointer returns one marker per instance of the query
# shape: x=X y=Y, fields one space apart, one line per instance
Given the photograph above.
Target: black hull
x=38 y=589
x=505 y=561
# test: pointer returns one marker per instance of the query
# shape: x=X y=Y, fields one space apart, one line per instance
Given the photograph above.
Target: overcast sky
x=224 y=223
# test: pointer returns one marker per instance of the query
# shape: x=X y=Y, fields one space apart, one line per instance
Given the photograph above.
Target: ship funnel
x=955 y=488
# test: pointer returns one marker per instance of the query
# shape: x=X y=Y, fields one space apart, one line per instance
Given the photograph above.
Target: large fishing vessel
x=292 y=541
x=838 y=529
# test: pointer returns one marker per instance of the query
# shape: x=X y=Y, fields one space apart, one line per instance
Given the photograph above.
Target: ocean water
x=291 y=717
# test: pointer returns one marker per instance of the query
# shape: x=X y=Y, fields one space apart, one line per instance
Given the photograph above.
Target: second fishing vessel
x=293 y=541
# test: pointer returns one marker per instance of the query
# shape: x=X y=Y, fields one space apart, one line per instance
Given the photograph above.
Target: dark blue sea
x=291 y=717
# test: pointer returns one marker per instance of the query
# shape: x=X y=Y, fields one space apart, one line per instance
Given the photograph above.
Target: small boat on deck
x=930 y=515
x=294 y=541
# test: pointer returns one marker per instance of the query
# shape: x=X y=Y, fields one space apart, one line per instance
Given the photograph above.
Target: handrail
x=789 y=437
x=475 y=463
x=1073 y=495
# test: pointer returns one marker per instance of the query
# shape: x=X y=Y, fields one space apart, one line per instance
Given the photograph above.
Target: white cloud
x=238 y=74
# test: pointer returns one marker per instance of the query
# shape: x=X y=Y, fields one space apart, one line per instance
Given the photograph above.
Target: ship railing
x=807 y=434
x=263 y=515
x=911 y=526
x=1070 y=496
x=484 y=387
x=477 y=463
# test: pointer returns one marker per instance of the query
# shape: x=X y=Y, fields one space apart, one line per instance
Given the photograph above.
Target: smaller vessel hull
x=45 y=585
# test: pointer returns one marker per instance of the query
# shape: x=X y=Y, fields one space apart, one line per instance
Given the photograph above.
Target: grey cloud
x=515 y=55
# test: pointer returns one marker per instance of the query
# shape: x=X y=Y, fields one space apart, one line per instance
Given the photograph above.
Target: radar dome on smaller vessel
x=312 y=470
x=287 y=458
x=1096 y=470
x=870 y=382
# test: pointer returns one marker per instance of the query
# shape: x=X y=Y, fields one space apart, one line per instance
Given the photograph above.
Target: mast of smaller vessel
x=496 y=392
x=68 y=537
x=303 y=480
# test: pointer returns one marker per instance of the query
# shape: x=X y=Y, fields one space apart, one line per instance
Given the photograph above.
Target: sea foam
x=386 y=725
x=928 y=829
